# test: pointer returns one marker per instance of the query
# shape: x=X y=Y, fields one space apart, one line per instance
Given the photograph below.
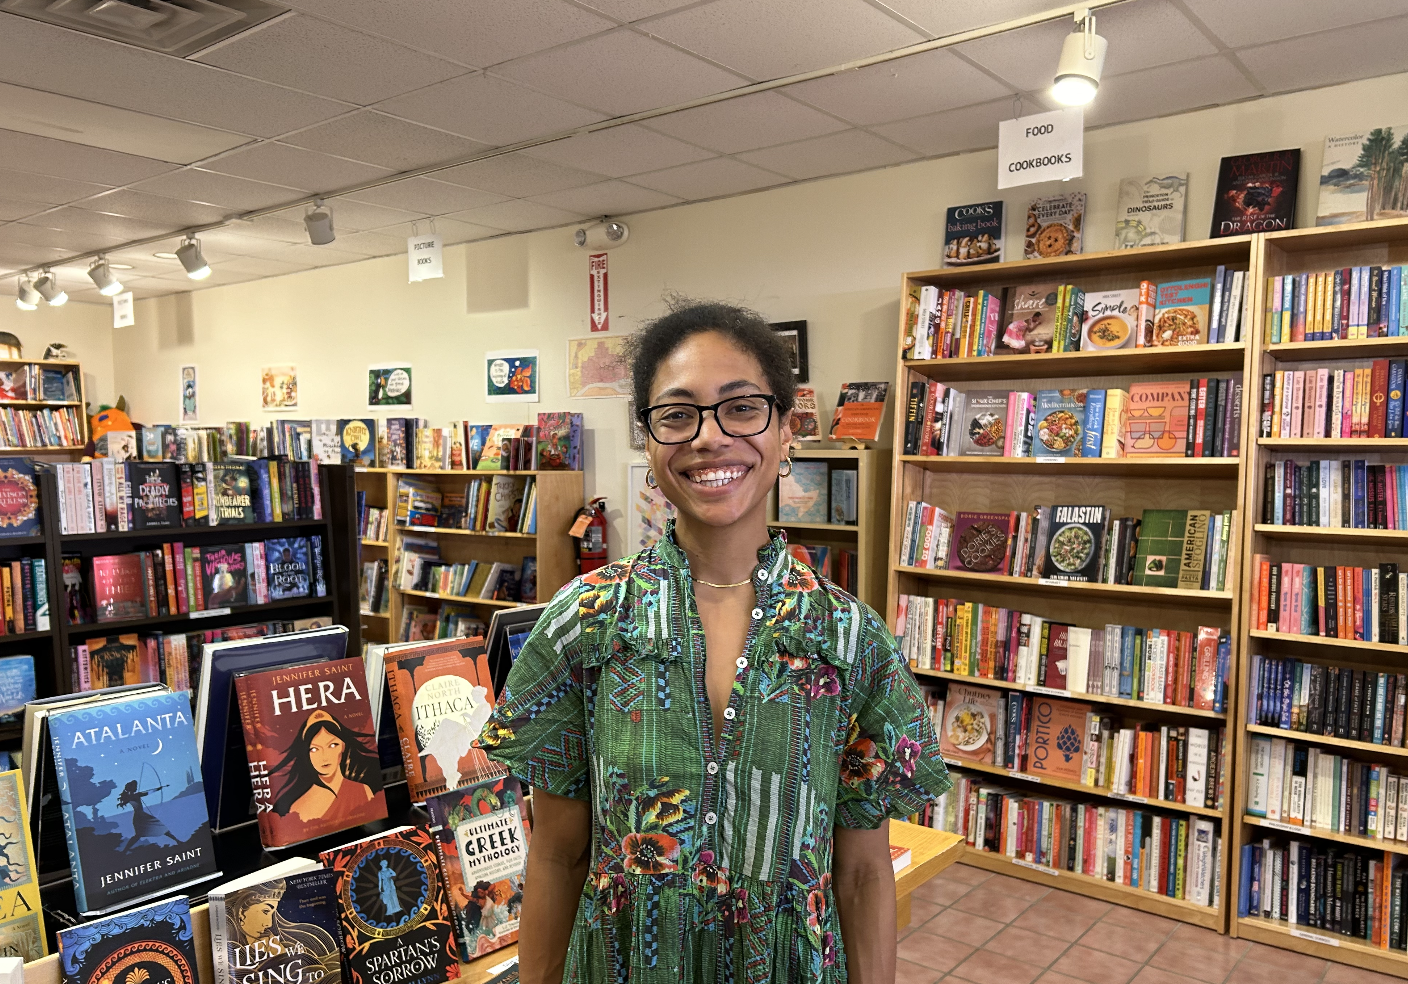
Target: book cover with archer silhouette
x=133 y=803
x=312 y=749
x=442 y=694
x=151 y=945
x=392 y=907
x=21 y=919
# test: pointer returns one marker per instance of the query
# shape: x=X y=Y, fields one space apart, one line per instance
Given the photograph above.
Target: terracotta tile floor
x=972 y=927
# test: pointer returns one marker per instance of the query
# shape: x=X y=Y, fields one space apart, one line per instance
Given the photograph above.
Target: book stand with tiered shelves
x=1127 y=486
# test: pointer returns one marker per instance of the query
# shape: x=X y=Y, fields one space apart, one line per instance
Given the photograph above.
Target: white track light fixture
x=190 y=256
x=1082 y=60
x=28 y=298
x=101 y=275
x=50 y=290
x=319 y=223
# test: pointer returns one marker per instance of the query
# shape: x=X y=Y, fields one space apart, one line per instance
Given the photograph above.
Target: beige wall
x=85 y=328
x=830 y=252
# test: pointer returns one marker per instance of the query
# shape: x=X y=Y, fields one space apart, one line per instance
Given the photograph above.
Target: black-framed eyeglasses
x=680 y=423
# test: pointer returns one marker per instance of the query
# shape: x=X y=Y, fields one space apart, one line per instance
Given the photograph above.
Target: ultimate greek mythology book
x=151 y=945
x=132 y=798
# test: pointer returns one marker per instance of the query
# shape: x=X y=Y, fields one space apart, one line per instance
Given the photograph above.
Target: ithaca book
x=151 y=945
x=482 y=836
x=1149 y=211
x=393 y=910
x=278 y=924
x=21 y=918
x=132 y=798
x=156 y=494
x=288 y=567
x=224 y=576
x=1256 y=193
x=19 y=498
x=442 y=694
x=973 y=234
x=1077 y=534
x=311 y=743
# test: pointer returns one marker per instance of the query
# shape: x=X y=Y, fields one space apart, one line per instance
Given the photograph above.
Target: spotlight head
x=190 y=256
x=101 y=275
x=28 y=298
x=50 y=290
x=318 y=220
x=1082 y=61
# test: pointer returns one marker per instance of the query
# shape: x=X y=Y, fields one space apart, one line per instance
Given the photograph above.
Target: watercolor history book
x=1157 y=421
x=973 y=234
x=1352 y=177
x=1060 y=423
x=442 y=694
x=1031 y=319
x=1056 y=739
x=17 y=686
x=21 y=915
x=1256 y=193
x=802 y=497
x=1054 y=226
x=358 y=437
x=1111 y=320
x=1149 y=211
x=133 y=803
x=482 y=836
x=980 y=542
x=156 y=494
x=230 y=498
x=278 y=924
x=151 y=945
x=19 y=498
x=968 y=727
x=310 y=738
x=224 y=576
x=1074 y=549
x=392 y=908
x=289 y=567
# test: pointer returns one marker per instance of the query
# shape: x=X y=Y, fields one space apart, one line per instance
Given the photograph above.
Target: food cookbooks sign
x=1044 y=147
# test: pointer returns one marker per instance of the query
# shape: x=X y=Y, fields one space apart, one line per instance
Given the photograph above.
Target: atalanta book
x=277 y=926
x=288 y=566
x=311 y=743
x=21 y=919
x=132 y=798
x=393 y=910
x=483 y=840
x=151 y=945
x=442 y=694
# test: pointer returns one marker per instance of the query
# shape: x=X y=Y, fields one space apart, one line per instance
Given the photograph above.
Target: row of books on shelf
x=419 y=568
x=1334 y=701
x=1343 y=494
x=1177 y=857
x=837 y=564
x=1302 y=786
x=1033 y=319
x=497 y=504
x=1339 y=892
x=1366 y=604
x=177 y=579
x=373 y=522
x=815 y=492
x=1338 y=403
x=1349 y=303
x=372 y=596
x=50 y=427
x=103 y=495
x=24 y=595
x=449 y=621
x=38 y=383
x=1161 y=419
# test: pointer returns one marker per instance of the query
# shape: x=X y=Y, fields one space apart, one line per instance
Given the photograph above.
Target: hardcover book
x=392 y=908
x=1073 y=551
x=802 y=497
x=119 y=587
x=21 y=915
x=151 y=945
x=1149 y=211
x=288 y=566
x=326 y=440
x=224 y=576
x=114 y=661
x=1156 y=422
x=973 y=234
x=1057 y=739
x=156 y=494
x=311 y=742
x=1159 y=555
x=559 y=442
x=1060 y=423
x=1031 y=319
x=19 y=498
x=1256 y=193
x=230 y=499
x=984 y=423
x=805 y=424
x=483 y=840
x=980 y=542
x=442 y=694
x=505 y=503
x=1181 y=312
x=858 y=411
x=278 y=924
x=969 y=724
x=132 y=798
x=358 y=438
x=1111 y=320
x=1054 y=226
x=17 y=686
x=1352 y=183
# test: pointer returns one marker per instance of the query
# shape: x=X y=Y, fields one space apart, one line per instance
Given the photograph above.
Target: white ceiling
x=339 y=92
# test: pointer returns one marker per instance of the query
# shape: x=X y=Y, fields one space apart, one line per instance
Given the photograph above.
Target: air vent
x=173 y=27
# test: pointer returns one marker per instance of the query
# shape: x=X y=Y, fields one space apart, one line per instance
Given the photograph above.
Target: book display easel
x=1126 y=486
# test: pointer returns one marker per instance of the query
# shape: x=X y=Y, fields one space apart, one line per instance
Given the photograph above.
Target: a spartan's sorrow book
x=312 y=749
x=151 y=945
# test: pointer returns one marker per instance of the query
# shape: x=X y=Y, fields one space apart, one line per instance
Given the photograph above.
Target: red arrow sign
x=596 y=287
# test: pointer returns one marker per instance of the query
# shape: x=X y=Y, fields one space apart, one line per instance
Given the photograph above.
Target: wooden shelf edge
x=1314 y=739
x=1133 y=467
x=1327 y=642
x=1212 y=598
x=403 y=530
x=1142 y=361
x=487 y=602
x=1199 y=252
x=1320 y=833
x=1344 y=949
x=819 y=527
x=1331 y=533
x=1101 y=792
x=1070 y=695
x=1313 y=443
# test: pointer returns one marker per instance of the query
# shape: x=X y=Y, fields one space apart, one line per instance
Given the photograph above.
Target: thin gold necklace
x=735 y=584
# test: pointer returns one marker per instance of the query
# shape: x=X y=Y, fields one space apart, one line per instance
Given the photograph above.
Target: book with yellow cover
x=21 y=919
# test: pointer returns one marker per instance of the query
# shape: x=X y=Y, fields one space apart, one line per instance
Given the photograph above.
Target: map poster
x=190 y=395
x=597 y=367
x=278 y=387
x=648 y=513
x=389 y=385
x=511 y=376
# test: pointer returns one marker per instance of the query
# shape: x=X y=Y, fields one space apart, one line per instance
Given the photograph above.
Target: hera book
x=151 y=945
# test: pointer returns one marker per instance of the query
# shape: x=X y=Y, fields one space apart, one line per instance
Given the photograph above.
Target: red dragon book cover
x=1256 y=193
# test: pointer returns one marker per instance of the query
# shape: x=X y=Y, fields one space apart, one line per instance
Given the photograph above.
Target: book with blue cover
x=17 y=686
x=132 y=798
x=19 y=498
x=289 y=567
x=151 y=945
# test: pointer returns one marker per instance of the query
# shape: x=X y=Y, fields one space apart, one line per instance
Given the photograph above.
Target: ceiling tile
x=427 y=196
x=295 y=167
x=222 y=190
x=488 y=109
x=969 y=128
x=359 y=217
x=621 y=72
x=61 y=159
x=12 y=208
x=373 y=243
x=839 y=153
x=927 y=83
x=607 y=198
x=708 y=179
x=619 y=151
x=944 y=17
x=20 y=257
x=471 y=32
x=76 y=219
x=1357 y=52
x=783 y=37
x=1168 y=89
x=517 y=216
x=517 y=176
x=747 y=123
x=633 y=10
x=70 y=242
x=323 y=255
x=255 y=237
x=155 y=208
x=43 y=188
x=454 y=231
x=385 y=141
x=258 y=266
x=73 y=64
x=143 y=263
x=316 y=56
x=1249 y=22
x=219 y=276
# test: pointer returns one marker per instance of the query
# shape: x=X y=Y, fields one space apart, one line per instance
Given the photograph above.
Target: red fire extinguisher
x=590 y=530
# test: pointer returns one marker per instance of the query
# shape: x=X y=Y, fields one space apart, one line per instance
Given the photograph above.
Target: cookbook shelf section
x=1003 y=484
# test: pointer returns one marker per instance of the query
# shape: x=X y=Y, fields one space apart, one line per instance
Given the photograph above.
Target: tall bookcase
x=372 y=483
x=61 y=453
x=1313 y=251
x=1127 y=485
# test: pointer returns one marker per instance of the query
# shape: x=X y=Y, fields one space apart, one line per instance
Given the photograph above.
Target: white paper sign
x=423 y=257
x=1044 y=147
x=122 y=316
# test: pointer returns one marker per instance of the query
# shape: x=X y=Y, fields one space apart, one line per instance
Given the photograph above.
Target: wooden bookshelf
x=1127 y=486
x=1136 y=705
x=371 y=489
x=1016 y=775
x=72 y=452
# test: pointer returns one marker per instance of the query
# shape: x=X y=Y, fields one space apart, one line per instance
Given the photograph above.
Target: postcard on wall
x=649 y=510
x=1361 y=176
x=1150 y=211
x=278 y=387
x=190 y=395
x=389 y=385
x=597 y=367
x=511 y=376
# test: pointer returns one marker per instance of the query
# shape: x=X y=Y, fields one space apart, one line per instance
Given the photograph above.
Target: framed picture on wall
x=795 y=334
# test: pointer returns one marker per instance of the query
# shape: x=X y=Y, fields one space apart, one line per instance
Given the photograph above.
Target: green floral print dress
x=711 y=856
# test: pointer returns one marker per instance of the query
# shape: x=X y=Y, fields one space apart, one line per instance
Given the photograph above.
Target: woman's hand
x=863 y=883
x=558 y=858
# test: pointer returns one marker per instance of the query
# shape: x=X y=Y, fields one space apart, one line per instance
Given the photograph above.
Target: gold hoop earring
x=650 y=482
x=780 y=472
